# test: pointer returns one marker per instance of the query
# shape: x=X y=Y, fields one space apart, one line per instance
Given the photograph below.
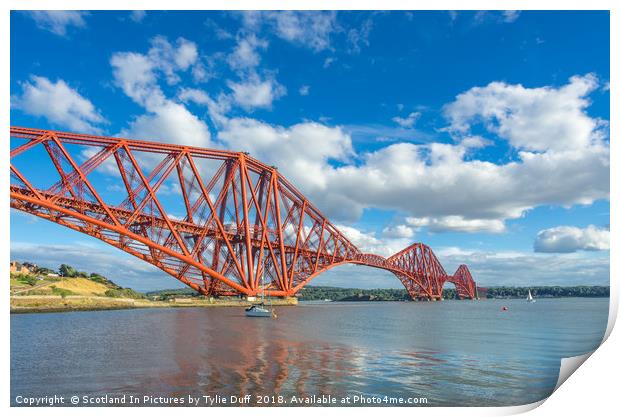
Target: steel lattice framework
x=221 y=222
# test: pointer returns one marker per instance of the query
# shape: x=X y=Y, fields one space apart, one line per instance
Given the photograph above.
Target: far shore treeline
x=311 y=293
x=316 y=293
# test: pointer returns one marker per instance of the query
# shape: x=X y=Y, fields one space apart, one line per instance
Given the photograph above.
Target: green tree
x=27 y=279
x=44 y=271
x=67 y=271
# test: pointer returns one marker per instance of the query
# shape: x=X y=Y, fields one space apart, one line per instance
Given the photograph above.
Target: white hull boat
x=258 y=311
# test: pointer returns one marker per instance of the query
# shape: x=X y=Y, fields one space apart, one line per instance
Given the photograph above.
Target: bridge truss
x=221 y=222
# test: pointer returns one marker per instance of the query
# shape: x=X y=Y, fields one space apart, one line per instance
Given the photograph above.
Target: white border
x=591 y=392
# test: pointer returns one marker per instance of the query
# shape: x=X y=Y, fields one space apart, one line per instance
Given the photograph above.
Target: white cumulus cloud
x=457 y=223
x=58 y=21
x=530 y=119
x=58 y=103
x=398 y=231
x=407 y=122
x=171 y=122
x=170 y=58
x=564 y=239
x=563 y=159
x=311 y=29
x=138 y=76
x=256 y=93
x=245 y=55
x=390 y=241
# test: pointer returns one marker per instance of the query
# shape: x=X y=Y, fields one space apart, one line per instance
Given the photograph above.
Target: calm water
x=451 y=352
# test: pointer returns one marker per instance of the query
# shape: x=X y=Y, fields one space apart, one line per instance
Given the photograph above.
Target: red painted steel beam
x=236 y=232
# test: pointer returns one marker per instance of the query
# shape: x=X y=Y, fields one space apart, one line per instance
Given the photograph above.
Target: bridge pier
x=276 y=301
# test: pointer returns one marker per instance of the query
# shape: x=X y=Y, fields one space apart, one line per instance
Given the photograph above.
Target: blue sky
x=482 y=134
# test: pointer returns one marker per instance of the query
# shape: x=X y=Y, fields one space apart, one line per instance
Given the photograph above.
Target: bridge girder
x=221 y=222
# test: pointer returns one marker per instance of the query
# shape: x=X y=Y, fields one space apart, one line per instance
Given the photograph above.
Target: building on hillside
x=25 y=268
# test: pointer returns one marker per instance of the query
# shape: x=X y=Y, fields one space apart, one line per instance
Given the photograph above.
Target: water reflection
x=254 y=358
x=452 y=353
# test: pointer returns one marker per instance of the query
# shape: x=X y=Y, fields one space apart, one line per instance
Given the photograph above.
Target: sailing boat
x=259 y=310
x=529 y=298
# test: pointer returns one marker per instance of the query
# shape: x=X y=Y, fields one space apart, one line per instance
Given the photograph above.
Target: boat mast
x=262 y=284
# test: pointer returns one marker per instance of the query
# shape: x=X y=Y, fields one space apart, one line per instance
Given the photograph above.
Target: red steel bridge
x=221 y=222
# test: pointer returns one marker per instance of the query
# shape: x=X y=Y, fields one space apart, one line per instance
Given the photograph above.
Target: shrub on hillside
x=103 y=280
x=123 y=293
x=26 y=279
x=61 y=291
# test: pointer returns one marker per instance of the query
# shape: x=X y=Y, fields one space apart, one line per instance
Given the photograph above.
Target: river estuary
x=450 y=353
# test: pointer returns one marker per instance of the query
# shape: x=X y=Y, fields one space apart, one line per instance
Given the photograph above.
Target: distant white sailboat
x=529 y=298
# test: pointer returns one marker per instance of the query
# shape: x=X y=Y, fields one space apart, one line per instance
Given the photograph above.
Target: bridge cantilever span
x=221 y=222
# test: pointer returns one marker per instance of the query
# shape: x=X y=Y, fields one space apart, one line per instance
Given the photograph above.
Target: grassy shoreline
x=29 y=304
x=54 y=304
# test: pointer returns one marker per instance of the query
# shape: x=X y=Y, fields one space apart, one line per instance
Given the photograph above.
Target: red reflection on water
x=223 y=353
